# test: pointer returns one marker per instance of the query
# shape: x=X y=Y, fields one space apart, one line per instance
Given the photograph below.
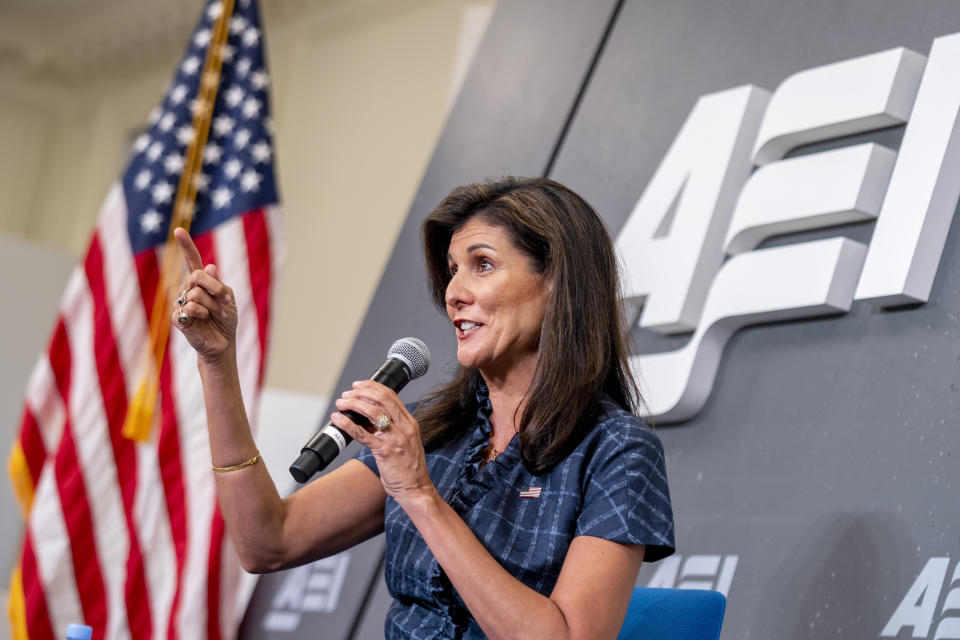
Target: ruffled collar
x=477 y=477
x=482 y=428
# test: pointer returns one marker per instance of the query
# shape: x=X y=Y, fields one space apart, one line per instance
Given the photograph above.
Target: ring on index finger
x=182 y=300
x=383 y=422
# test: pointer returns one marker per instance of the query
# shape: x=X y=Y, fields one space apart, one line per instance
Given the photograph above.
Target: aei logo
x=725 y=186
x=313 y=587
x=696 y=572
x=921 y=606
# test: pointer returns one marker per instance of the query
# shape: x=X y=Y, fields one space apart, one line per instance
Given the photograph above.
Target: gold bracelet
x=237 y=467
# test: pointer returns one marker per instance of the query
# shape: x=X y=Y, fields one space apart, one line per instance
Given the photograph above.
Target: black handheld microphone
x=407 y=359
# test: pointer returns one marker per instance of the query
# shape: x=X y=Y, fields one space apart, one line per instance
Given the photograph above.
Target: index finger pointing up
x=190 y=252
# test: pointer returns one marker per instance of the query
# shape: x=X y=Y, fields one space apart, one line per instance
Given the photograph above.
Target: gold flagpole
x=141 y=410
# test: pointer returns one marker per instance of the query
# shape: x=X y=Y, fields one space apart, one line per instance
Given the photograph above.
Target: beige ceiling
x=74 y=41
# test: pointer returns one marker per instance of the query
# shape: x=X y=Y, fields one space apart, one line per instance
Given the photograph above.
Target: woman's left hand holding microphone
x=396 y=447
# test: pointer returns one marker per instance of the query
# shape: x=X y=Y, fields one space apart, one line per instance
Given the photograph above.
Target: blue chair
x=673 y=614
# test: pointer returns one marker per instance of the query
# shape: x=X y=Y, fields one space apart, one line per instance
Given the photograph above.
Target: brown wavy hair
x=583 y=347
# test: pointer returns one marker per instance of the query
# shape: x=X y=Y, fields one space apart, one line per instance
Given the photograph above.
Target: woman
x=520 y=499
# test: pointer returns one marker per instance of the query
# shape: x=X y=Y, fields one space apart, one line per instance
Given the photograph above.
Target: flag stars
x=154 y=151
x=261 y=152
x=227 y=174
x=212 y=153
x=142 y=181
x=259 y=80
x=250 y=180
x=166 y=122
x=151 y=221
x=201 y=38
x=191 y=65
x=141 y=143
x=251 y=108
x=173 y=163
x=243 y=67
x=222 y=125
x=232 y=168
x=233 y=96
x=227 y=52
x=221 y=197
x=162 y=192
x=242 y=138
x=198 y=107
x=251 y=36
x=178 y=94
x=185 y=134
x=201 y=182
x=237 y=24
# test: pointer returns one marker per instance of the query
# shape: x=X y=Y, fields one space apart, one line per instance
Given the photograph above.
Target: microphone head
x=414 y=353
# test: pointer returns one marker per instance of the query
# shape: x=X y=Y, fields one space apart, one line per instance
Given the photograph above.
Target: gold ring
x=383 y=422
x=182 y=300
x=182 y=318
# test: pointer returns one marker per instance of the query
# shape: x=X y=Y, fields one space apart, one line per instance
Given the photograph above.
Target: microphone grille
x=414 y=353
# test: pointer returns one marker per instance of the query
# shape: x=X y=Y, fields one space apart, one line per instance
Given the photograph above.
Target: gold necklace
x=492 y=452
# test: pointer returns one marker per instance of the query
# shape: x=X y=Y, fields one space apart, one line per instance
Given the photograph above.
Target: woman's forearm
x=252 y=509
x=333 y=513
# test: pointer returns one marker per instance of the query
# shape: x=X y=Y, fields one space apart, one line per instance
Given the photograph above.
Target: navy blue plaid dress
x=612 y=486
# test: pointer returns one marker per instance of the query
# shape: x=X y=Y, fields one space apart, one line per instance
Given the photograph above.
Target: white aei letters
x=712 y=572
x=918 y=610
x=704 y=205
x=912 y=228
x=668 y=244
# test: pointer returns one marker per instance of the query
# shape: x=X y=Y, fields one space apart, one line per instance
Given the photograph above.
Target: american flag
x=531 y=492
x=125 y=534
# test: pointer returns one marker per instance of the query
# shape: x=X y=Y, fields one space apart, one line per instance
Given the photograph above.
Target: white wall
x=365 y=99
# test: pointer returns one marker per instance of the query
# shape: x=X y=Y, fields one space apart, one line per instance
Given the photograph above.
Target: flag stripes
x=35 y=603
x=114 y=393
x=101 y=475
x=47 y=530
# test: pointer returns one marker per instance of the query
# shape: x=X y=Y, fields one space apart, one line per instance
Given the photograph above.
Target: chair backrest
x=673 y=614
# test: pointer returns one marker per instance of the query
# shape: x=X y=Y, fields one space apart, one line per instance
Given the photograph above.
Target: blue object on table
x=79 y=632
x=673 y=614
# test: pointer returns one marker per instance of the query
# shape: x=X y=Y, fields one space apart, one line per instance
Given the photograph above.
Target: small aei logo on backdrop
x=312 y=588
x=922 y=612
x=714 y=572
x=725 y=185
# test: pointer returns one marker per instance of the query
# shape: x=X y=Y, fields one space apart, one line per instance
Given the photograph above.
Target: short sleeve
x=625 y=494
x=365 y=456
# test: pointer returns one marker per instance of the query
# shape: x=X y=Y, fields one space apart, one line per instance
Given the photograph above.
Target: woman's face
x=495 y=301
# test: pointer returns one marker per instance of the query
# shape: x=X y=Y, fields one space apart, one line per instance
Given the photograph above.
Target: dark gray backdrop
x=823 y=458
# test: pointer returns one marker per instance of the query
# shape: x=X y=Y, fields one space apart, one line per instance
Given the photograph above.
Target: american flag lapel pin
x=531 y=492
